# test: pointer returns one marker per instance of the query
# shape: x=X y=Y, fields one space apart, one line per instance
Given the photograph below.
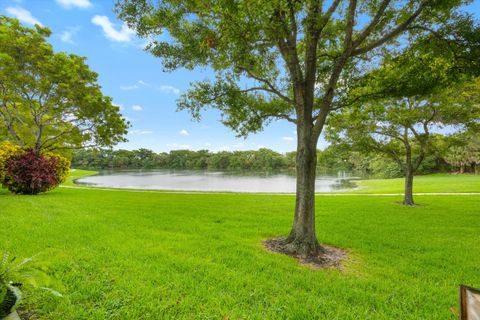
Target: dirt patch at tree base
x=26 y=315
x=329 y=257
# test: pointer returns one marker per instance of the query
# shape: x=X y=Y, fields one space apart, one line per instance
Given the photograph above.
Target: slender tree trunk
x=302 y=239
x=409 y=171
x=408 y=198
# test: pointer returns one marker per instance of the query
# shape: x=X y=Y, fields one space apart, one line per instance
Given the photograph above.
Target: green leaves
x=295 y=58
x=29 y=272
x=243 y=110
x=51 y=100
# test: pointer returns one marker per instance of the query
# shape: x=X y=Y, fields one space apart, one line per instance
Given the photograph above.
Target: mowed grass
x=149 y=255
x=432 y=183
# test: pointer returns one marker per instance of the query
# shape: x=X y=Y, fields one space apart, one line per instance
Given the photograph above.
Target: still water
x=209 y=181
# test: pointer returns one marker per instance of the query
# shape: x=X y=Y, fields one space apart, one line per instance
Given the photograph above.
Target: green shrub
x=28 y=172
x=386 y=169
x=7 y=151
x=62 y=166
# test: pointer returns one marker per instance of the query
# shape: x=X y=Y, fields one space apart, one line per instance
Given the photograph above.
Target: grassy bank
x=126 y=255
x=429 y=183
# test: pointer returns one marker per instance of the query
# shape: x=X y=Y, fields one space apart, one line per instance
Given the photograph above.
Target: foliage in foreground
x=16 y=274
x=7 y=151
x=30 y=172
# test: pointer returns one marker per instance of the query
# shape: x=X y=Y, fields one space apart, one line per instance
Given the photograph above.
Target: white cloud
x=136 y=107
x=208 y=144
x=184 y=132
x=141 y=132
x=132 y=87
x=287 y=139
x=67 y=35
x=135 y=86
x=140 y=83
x=23 y=15
x=178 y=146
x=124 y=35
x=82 y=4
x=169 y=89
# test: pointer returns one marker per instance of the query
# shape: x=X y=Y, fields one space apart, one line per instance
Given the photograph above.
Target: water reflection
x=210 y=181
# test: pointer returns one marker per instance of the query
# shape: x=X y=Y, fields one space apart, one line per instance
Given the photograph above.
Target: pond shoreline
x=209 y=181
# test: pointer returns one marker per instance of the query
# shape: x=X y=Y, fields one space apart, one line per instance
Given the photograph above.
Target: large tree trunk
x=302 y=240
x=408 y=198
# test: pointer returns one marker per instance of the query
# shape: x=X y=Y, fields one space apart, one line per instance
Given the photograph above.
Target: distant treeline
x=331 y=160
x=254 y=160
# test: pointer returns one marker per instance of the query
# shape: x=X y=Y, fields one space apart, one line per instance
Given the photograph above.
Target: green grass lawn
x=76 y=174
x=132 y=255
x=429 y=183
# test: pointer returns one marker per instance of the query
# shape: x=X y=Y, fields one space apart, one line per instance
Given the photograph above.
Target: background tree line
x=454 y=153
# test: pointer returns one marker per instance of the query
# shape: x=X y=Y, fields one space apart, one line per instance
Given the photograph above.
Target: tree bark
x=302 y=240
x=408 y=198
x=409 y=170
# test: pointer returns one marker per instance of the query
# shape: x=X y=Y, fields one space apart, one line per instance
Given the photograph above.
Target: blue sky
x=136 y=82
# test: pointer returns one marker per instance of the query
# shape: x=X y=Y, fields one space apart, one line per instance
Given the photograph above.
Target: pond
x=209 y=181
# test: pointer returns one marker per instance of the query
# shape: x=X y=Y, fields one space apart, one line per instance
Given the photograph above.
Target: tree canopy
x=51 y=100
x=403 y=128
x=283 y=59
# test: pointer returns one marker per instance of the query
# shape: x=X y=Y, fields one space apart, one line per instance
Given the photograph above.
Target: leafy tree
x=466 y=151
x=219 y=160
x=48 y=100
x=281 y=59
x=122 y=159
x=401 y=128
x=143 y=158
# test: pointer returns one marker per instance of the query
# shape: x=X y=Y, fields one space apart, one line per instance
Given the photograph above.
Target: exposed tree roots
x=325 y=256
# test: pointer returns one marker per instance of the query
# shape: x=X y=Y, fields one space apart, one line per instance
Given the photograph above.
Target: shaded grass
x=125 y=255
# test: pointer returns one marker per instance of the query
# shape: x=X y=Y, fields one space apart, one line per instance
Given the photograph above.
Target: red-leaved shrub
x=30 y=173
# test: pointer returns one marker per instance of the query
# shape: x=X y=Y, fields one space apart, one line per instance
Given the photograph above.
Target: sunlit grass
x=427 y=183
x=126 y=255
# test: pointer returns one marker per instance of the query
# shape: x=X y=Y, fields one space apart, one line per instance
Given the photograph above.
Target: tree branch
x=393 y=33
x=337 y=70
x=271 y=87
x=369 y=28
